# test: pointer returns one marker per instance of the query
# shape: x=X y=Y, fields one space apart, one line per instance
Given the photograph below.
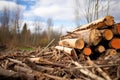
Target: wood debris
x=91 y=52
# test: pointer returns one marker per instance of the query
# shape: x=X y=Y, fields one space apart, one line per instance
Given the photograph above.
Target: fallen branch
x=22 y=69
x=18 y=62
x=55 y=77
x=45 y=47
x=45 y=62
x=99 y=69
x=87 y=72
x=15 y=75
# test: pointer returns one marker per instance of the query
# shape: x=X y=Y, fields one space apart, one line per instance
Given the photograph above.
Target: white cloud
x=62 y=29
x=63 y=10
x=11 y=5
x=60 y=10
x=56 y=9
x=43 y=26
x=32 y=25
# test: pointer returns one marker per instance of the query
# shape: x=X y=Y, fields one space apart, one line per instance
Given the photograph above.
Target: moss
x=26 y=48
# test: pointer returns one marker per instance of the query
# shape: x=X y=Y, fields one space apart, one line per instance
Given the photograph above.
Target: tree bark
x=116 y=29
x=91 y=37
x=70 y=51
x=73 y=43
x=22 y=69
x=111 y=52
x=100 y=23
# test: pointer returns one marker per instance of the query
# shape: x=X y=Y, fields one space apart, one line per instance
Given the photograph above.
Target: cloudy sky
x=62 y=12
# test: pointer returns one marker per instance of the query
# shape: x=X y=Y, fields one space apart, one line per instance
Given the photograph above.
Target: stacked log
x=99 y=36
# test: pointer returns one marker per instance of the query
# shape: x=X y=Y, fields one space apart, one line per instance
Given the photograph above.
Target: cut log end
x=80 y=44
x=87 y=51
x=100 y=49
x=108 y=34
x=109 y=20
x=115 y=43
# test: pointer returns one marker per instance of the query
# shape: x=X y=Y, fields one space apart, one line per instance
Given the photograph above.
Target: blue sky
x=62 y=12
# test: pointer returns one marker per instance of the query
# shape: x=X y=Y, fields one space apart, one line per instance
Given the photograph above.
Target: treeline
x=12 y=36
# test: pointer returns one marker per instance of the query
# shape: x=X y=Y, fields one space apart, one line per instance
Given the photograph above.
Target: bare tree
x=37 y=29
x=16 y=19
x=96 y=7
x=93 y=9
x=77 y=12
x=16 y=22
x=49 y=29
x=4 y=20
x=108 y=7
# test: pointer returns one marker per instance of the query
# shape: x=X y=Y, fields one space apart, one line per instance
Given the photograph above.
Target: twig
x=18 y=62
x=15 y=75
x=55 y=77
x=45 y=47
x=96 y=66
x=22 y=69
x=7 y=73
x=39 y=60
x=99 y=69
x=35 y=67
x=87 y=72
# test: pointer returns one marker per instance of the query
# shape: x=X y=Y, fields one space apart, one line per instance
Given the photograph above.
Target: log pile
x=91 y=39
x=93 y=55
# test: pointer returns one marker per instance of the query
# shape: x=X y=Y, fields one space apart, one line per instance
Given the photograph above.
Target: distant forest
x=12 y=36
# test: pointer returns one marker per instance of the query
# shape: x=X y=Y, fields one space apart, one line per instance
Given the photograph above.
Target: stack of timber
x=97 y=37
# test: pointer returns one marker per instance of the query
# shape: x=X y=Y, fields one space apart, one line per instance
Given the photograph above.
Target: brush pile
x=90 y=52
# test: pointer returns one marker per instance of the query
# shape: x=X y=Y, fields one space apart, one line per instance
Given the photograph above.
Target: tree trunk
x=70 y=51
x=91 y=37
x=74 y=43
x=100 y=23
x=116 y=29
